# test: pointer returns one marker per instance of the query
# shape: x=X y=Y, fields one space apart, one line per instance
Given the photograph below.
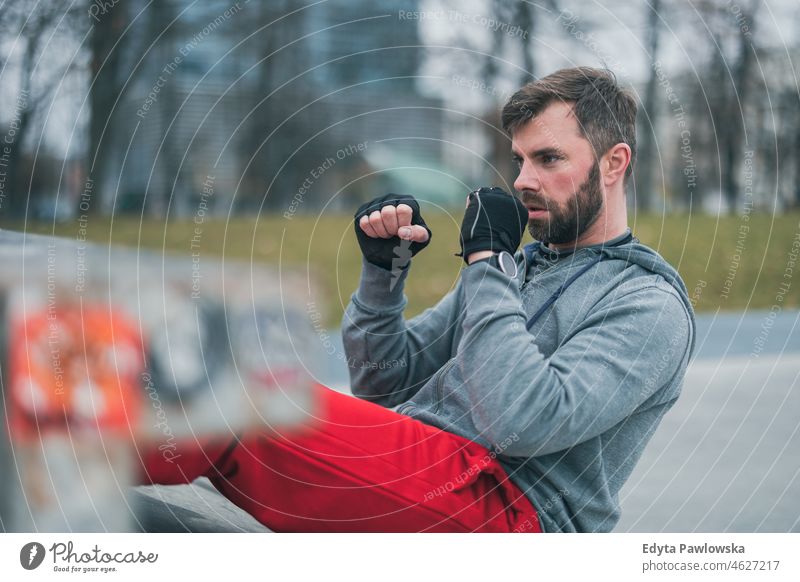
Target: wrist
x=477 y=256
x=379 y=288
x=502 y=261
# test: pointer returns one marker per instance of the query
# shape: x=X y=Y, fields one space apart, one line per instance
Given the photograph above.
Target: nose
x=528 y=179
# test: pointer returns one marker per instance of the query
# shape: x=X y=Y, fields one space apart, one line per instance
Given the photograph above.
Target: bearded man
x=522 y=401
x=560 y=360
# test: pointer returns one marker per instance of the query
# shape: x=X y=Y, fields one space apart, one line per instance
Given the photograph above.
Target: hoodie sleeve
x=621 y=355
x=389 y=359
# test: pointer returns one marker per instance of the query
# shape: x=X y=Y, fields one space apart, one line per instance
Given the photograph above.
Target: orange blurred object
x=74 y=368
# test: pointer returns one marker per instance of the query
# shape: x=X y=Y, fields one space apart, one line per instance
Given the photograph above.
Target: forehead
x=555 y=127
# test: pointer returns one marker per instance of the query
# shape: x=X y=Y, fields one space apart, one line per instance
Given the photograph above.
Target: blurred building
x=267 y=106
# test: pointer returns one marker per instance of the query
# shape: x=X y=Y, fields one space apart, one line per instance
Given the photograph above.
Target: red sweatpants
x=362 y=468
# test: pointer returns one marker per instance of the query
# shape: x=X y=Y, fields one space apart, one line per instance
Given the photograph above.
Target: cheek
x=561 y=186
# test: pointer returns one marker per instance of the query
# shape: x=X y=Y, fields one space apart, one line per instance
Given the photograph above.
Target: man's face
x=559 y=177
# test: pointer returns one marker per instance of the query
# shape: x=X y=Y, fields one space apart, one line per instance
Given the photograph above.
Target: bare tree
x=742 y=73
x=107 y=44
x=794 y=107
x=33 y=25
x=646 y=139
x=119 y=38
x=525 y=15
x=731 y=29
x=265 y=144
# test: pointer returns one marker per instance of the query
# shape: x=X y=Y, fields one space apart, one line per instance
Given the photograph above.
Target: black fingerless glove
x=494 y=221
x=389 y=253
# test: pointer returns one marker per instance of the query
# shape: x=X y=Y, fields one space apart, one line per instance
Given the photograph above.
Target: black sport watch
x=503 y=261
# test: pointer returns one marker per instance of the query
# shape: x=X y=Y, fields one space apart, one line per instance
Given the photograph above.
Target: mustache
x=529 y=198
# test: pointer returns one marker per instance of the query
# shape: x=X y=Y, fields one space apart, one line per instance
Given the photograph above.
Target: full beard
x=565 y=224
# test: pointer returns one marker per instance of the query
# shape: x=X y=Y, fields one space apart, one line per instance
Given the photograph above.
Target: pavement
x=724 y=459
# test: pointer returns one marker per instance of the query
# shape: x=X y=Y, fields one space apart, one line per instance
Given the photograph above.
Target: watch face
x=507 y=264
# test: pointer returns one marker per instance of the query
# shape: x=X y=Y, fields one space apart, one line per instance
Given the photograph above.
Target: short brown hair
x=606 y=112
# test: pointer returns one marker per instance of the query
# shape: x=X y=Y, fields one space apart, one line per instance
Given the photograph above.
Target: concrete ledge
x=196 y=507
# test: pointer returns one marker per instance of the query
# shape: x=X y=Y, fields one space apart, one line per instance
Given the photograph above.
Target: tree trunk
x=18 y=199
x=735 y=121
x=105 y=88
x=526 y=19
x=643 y=171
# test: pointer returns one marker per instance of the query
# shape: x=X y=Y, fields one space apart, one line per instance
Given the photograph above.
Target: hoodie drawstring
x=531 y=249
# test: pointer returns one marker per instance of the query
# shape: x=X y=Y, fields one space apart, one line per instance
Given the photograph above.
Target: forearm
x=498 y=359
x=388 y=358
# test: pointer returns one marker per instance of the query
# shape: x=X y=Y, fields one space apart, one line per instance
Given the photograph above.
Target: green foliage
x=727 y=263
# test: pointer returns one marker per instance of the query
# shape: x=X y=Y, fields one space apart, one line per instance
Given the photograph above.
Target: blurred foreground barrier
x=103 y=347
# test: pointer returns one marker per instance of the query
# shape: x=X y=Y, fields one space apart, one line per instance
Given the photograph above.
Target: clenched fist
x=390 y=230
x=494 y=221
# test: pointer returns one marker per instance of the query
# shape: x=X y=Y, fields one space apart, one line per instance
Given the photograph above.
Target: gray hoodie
x=567 y=406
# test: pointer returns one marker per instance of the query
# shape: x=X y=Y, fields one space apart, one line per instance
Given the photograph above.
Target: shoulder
x=654 y=311
x=649 y=327
x=638 y=289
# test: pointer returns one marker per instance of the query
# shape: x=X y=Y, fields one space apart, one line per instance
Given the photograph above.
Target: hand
x=390 y=230
x=494 y=221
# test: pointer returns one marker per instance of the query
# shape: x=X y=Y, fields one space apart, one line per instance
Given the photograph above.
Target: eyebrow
x=549 y=151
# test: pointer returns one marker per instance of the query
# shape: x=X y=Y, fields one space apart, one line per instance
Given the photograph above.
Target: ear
x=614 y=163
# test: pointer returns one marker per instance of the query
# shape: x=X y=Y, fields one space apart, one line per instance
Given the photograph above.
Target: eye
x=517 y=161
x=549 y=159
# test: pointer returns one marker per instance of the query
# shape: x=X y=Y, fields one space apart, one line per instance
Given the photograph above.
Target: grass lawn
x=728 y=263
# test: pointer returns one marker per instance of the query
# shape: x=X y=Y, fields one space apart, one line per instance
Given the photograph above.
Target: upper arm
x=619 y=357
x=625 y=351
